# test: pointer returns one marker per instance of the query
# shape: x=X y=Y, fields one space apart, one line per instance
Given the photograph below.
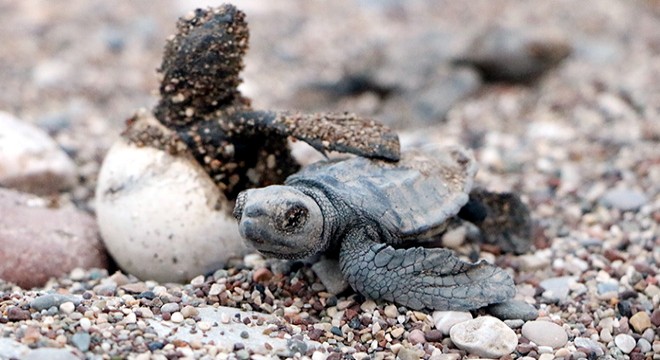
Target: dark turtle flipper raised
x=343 y=132
x=507 y=223
x=419 y=277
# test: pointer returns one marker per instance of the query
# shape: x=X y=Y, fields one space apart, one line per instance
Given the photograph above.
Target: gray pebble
x=170 y=308
x=81 y=340
x=514 y=323
x=558 y=287
x=607 y=287
x=624 y=199
x=644 y=345
x=52 y=300
x=594 y=347
x=545 y=333
x=513 y=309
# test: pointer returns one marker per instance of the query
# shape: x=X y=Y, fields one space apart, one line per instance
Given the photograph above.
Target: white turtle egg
x=161 y=216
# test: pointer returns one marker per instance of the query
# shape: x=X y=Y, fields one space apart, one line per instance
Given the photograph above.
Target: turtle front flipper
x=343 y=132
x=502 y=218
x=419 y=277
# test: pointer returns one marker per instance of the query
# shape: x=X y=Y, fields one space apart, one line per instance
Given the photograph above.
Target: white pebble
x=625 y=343
x=444 y=320
x=484 y=336
x=177 y=317
x=85 y=324
x=67 y=307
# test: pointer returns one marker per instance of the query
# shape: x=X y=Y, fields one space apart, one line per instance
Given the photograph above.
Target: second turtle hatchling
x=376 y=216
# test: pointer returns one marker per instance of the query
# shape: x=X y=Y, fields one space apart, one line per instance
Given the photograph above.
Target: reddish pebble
x=433 y=335
x=261 y=274
x=416 y=337
x=17 y=314
x=655 y=317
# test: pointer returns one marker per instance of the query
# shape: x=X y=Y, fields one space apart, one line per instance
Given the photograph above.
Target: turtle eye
x=293 y=218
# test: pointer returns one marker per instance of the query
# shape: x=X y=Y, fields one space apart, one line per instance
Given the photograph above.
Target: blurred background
x=79 y=70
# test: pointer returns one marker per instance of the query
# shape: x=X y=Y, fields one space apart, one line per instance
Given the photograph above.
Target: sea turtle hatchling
x=375 y=215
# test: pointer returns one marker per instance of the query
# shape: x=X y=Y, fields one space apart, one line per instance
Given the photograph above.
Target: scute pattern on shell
x=409 y=198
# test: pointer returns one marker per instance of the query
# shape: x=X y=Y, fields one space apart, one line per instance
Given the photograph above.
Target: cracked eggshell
x=161 y=216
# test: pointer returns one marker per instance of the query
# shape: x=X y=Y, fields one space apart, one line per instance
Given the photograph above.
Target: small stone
x=397 y=332
x=50 y=353
x=85 y=324
x=216 y=289
x=47 y=301
x=176 y=317
x=433 y=335
x=81 y=340
x=32 y=161
x=558 y=287
x=409 y=354
x=644 y=345
x=40 y=242
x=640 y=321
x=546 y=357
x=606 y=335
x=204 y=325
x=67 y=307
x=169 y=307
x=327 y=270
x=484 y=336
x=545 y=333
x=532 y=262
x=513 y=309
x=444 y=320
x=261 y=274
x=416 y=337
x=197 y=280
x=245 y=335
x=391 y=311
x=624 y=199
x=135 y=288
x=515 y=323
x=589 y=344
x=189 y=311
x=15 y=313
x=625 y=343
x=368 y=306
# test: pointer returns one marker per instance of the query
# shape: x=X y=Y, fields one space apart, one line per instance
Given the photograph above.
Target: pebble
x=81 y=340
x=409 y=354
x=15 y=313
x=397 y=332
x=85 y=324
x=625 y=343
x=261 y=274
x=391 y=311
x=169 y=307
x=67 y=307
x=557 y=287
x=532 y=262
x=513 y=309
x=416 y=337
x=176 y=317
x=47 y=301
x=39 y=242
x=433 y=335
x=11 y=349
x=444 y=320
x=624 y=199
x=587 y=343
x=484 y=336
x=189 y=311
x=640 y=321
x=32 y=161
x=545 y=333
x=644 y=345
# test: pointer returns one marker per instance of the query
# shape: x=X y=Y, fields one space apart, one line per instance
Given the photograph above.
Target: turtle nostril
x=250 y=231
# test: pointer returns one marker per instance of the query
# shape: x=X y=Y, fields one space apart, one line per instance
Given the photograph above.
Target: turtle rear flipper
x=343 y=132
x=503 y=219
x=419 y=277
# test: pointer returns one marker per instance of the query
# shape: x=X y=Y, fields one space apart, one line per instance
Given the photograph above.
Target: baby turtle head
x=280 y=221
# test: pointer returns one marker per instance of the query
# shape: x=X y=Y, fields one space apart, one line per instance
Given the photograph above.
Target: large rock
x=38 y=242
x=161 y=216
x=30 y=160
